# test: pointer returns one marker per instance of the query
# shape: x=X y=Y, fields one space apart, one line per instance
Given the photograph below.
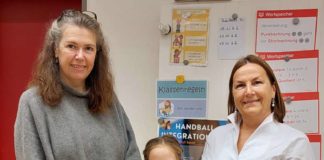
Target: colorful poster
x=316 y=142
x=302 y=111
x=181 y=100
x=231 y=39
x=295 y=71
x=189 y=36
x=286 y=30
x=191 y=133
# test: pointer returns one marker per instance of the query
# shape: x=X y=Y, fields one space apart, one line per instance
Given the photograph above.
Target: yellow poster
x=189 y=36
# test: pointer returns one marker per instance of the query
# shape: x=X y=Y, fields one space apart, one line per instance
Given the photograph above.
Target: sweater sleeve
x=132 y=151
x=27 y=142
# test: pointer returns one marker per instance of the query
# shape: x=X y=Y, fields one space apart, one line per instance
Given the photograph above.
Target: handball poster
x=190 y=133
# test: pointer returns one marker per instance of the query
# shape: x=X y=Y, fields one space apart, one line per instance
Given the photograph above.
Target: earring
x=273 y=102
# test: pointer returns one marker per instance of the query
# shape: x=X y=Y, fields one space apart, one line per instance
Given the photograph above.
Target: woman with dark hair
x=256 y=112
x=166 y=147
x=70 y=110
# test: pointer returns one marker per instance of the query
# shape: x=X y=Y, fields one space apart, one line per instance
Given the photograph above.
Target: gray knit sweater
x=70 y=132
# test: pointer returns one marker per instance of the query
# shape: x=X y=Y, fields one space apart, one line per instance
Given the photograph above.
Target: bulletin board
x=217 y=70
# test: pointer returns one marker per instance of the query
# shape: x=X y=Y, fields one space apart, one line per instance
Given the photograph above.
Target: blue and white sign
x=181 y=100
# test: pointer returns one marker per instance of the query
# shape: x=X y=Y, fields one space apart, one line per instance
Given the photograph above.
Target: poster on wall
x=295 y=71
x=186 y=100
x=189 y=37
x=302 y=111
x=231 y=38
x=316 y=143
x=191 y=134
x=286 y=30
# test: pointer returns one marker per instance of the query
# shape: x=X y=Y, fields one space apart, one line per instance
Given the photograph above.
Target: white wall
x=130 y=27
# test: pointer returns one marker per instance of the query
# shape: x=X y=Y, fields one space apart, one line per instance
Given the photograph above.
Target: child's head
x=163 y=148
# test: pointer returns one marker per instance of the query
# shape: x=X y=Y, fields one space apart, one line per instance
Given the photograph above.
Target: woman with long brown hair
x=70 y=110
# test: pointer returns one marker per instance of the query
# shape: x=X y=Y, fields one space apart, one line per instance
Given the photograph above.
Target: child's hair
x=167 y=140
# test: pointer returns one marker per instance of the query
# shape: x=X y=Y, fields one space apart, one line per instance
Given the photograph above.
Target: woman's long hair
x=46 y=75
